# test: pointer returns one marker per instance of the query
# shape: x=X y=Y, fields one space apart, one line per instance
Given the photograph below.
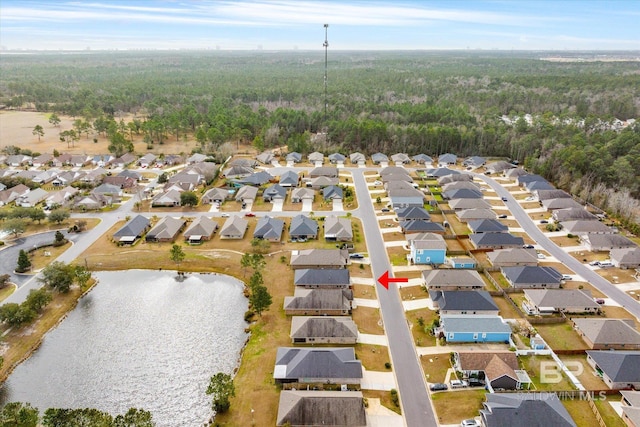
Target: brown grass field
x=454 y=406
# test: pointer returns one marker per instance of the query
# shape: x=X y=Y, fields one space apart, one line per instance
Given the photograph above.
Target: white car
x=566 y=277
x=470 y=423
x=377 y=182
x=541 y=256
x=225 y=215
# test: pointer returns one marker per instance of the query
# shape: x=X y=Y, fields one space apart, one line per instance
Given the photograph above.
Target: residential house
x=166 y=230
x=321 y=182
x=257 y=179
x=66 y=178
x=269 y=228
x=357 y=158
x=238 y=172
x=619 y=369
x=393 y=170
x=215 y=195
x=586 y=227
x=289 y=179
x=524 y=410
x=299 y=194
x=61 y=197
x=513 y=257
x=169 y=198
x=200 y=229
x=147 y=161
x=631 y=407
x=400 y=158
x=120 y=181
x=462 y=193
x=336 y=158
x=244 y=162
x=337 y=229
x=294 y=157
x=498 y=167
x=421 y=226
x=422 y=158
x=93 y=202
x=447 y=159
x=474 y=161
x=562 y=203
x=606 y=242
x=452 y=280
x=234 y=227
x=378 y=158
x=465 y=204
x=475 y=214
x=44 y=159
x=265 y=158
x=486 y=226
x=246 y=194
x=191 y=178
x=440 y=172
x=319 y=258
x=316 y=158
x=453 y=177
x=497 y=369
x=495 y=240
x=572 y=214
x=322 y=278
x=461 y=262
x=463 y=302
x=332 y=192
x=412 y=212
x=274 y=192
x=531 y=277
x=406 y=198
x=109 y=189
x=608 y=334
x=326 y=171
x=458 y=184
x=548 y=194
x=32 y=198
x=125 y=160
x=63 y=159
x=323 y=330
x=476 y=329
x=394 y=185
x=128 y=173
x=538 y=185
x=45 y=177
x=395 y=177
x=514 y=173
x=298 y=408
x=196 y=158
x=549 y=301
x=17 y=160
x=625 y=258
x=325 y=365
x=430 y=248
x=134 y=229
x=524 y=179
x=318 y=302
x=303 y=227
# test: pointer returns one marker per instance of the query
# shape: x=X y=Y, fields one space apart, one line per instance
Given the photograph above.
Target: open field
x=435 y=366
x=455 y=406
x=534 y=365
x=561 y=336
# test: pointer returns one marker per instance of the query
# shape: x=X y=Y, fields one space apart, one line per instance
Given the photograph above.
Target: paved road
x=416 y=406
x=580 y=269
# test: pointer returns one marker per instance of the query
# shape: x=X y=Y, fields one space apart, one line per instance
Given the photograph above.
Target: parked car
x=250 y=214
x=504 y=199
x=470 y=423
x=605 y=264
x=225 y=215
x=599 y=301
x=594 y=263
x=566 y=277
x=502 y=216
x=527 y=246
x=544 y=221
x=459 y=384
x=541 y=256
x=385 y=210
x=356 y=256
x=377 y=182
x=438 y=387
x=474 y=382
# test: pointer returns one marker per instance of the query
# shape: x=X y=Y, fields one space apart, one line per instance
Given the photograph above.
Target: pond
x=139 y=339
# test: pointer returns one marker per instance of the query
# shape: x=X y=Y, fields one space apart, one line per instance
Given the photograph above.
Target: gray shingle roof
x=620 y=366
x=525 y=410
x=532 y=274
x=481 y=324
x=413 y=212
x=608 y=331
x=302 y=225
x=202 y=226
x=269 y=228
x=316 y=408
x=452 y=277
x=337 y=227
x=496 y=239
x=320 y=276
x=323 y=327
x=561 y=298
x=487 y=226
x=463 y=300
x=135 y=227
x=421 y=226
x=299 y=363
x=319 y=299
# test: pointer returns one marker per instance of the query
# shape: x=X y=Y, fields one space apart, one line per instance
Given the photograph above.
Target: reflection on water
x=139 y=339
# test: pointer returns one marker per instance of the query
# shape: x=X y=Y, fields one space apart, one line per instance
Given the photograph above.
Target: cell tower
x=326 y=47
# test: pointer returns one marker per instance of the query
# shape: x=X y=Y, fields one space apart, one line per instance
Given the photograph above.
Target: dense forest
x=565 y=118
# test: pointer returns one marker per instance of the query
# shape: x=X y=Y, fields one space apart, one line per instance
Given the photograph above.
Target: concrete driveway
x=337 y=205
x=277 y=205
x=307 y=205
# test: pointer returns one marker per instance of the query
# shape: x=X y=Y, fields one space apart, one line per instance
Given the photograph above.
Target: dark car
x=438 y=387
x=385 y=210
x=544 y=221
x=502 y=216
x=504 y=199
x=528 y=246
x=356 y=256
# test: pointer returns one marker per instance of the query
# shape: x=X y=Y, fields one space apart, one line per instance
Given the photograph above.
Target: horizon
x=287 y=25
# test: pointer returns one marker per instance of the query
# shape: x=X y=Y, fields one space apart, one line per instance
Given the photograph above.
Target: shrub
x=394 y=397
x=387 y=365
x=248 y=316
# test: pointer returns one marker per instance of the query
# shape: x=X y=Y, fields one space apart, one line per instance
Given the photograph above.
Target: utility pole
x=326 y=47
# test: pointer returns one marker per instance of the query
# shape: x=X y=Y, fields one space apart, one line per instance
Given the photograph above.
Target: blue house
x=462 y=262
x=465 y=328
x=428 y=248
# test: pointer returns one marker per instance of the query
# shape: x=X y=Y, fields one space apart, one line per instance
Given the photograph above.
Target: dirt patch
x=409 y=293
x=373 y=357
x=453 y=406
x=561 y=336
x=435 y=366
x=420 y=322
x=364 y=291
x=369 y=320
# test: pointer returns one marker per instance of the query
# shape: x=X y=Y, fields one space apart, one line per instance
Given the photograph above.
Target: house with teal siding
x=430 y=248
x=475 y=329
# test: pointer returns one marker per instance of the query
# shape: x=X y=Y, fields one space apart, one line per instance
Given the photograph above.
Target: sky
x=292 y=24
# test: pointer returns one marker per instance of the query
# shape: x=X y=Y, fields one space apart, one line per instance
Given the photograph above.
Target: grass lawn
x=385 y=399
x=7 y=291
x=533 y=366
x=43 y=256
x=435 y=366
x=561 y=336
x=507 y=311
x=454 y=406
x=369 y=320
x=607 y=412
x=397 y=255
x=373 y=357
x=587 y=378
x=421 y=338
x=565 y=241
x=413 y=292
x=499 y=278
x=364 y=291
x=581 y=412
